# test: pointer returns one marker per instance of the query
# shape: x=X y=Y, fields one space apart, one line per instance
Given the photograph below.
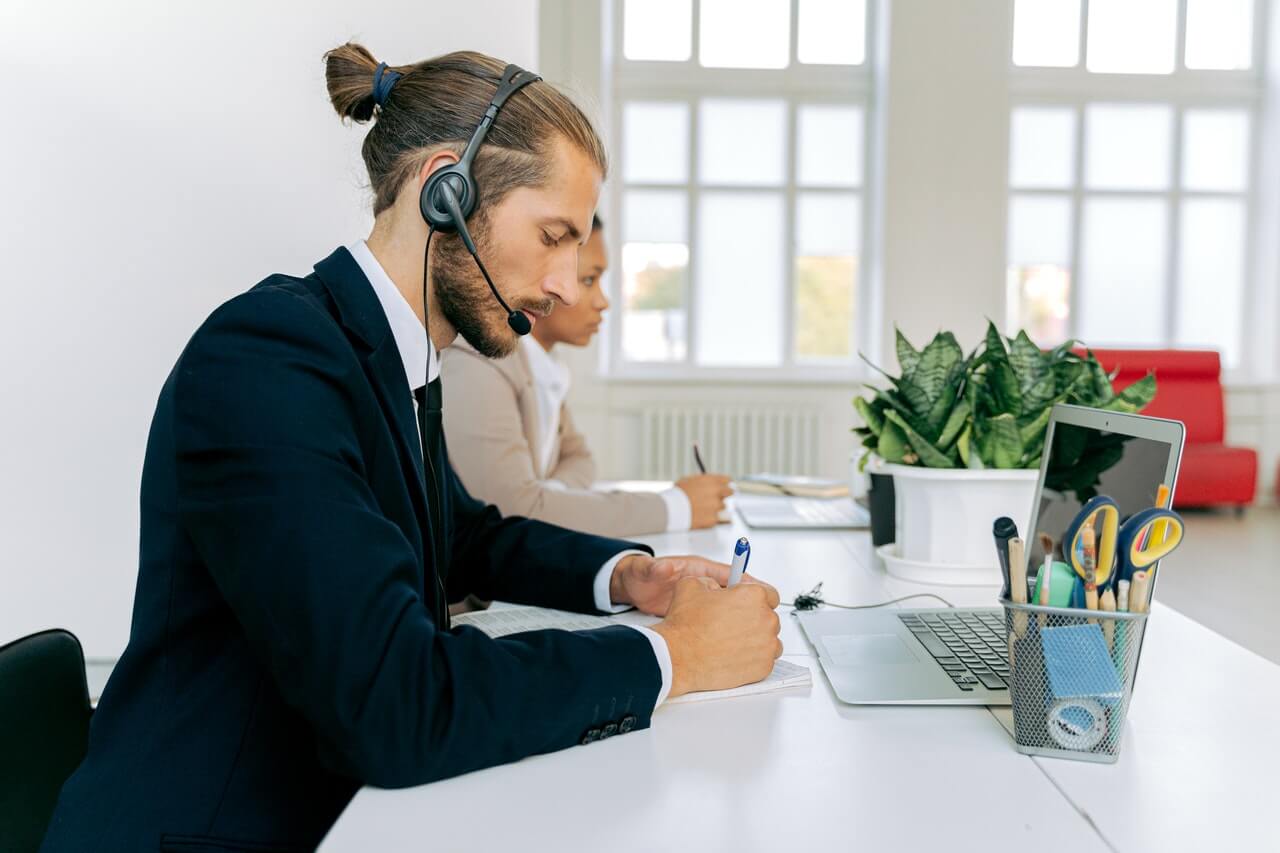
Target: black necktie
x=429 y=425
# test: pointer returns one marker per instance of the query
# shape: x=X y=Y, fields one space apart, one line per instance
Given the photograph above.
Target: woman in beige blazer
x=512 y=440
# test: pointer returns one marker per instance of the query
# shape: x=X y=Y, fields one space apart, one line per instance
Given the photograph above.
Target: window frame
x=688 y=82
x=1183 y=89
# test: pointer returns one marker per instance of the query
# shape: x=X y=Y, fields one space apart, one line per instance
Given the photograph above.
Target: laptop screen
x=1087 y=461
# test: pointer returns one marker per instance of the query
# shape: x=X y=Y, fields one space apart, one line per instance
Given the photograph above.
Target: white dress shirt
x=551 y=382
x=415 y=348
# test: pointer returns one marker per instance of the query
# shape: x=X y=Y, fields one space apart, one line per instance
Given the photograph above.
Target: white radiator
x=733 y=441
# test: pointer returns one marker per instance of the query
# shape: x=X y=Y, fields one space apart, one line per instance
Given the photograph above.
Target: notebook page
x=502 y=619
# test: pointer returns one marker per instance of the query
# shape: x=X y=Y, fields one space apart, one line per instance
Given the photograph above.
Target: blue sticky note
x=1078 y=665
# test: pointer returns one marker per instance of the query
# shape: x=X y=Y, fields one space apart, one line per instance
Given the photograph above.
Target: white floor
x=1226 y=575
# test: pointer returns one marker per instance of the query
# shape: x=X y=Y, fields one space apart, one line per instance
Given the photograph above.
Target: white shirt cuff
x=663 y=654
x=660 y=651
x=601 y=586
x=679 y=512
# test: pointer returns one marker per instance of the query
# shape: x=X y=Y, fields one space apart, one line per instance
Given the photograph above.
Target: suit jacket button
x=589 y=736
x=609 y=731
x=628 y=723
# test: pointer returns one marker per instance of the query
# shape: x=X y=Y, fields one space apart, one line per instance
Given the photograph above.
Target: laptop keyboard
x=969 y=645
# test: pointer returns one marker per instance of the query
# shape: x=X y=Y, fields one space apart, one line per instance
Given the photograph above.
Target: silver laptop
x=781 y=511
x=946 y=656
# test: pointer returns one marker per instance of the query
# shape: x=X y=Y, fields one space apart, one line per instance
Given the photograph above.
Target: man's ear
x=436 y=161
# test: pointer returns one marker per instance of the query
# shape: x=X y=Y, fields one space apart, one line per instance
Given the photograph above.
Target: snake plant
x=990 y=408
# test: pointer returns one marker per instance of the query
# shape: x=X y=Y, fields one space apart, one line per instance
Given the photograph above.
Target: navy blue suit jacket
x=283 y=651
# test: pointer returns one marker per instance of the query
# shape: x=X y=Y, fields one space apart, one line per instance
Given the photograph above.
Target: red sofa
x=1189 y=389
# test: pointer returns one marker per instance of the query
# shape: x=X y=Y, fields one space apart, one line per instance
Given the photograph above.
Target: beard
x=464 y=297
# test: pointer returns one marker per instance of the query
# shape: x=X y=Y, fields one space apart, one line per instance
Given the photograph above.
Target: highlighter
x=1060 y=584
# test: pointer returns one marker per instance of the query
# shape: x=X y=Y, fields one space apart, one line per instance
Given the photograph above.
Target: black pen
x=697 y=457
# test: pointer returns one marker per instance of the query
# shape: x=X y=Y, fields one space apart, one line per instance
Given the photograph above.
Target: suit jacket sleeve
x=494 y=458
x=272 y=494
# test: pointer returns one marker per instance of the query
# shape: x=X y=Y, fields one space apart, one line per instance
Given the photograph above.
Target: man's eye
x=589 y=281
x=548 y=240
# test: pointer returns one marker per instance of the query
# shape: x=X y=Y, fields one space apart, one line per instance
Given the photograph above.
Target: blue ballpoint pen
x=741 y=556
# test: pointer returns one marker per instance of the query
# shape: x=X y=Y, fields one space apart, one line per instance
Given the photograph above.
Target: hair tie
x=383 y=82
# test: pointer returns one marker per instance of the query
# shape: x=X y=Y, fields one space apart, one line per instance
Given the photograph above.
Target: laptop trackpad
x=867 y=649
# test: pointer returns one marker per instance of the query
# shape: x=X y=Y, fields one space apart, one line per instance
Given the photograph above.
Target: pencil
x=1107 y=603
x=1089 y=541
x=697 y=457
x=1161 y=527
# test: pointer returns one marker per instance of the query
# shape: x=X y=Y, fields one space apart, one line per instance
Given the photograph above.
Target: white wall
x=157 y=158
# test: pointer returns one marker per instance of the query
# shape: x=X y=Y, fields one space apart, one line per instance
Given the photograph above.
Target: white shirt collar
x=406 y=328
x=551 y=387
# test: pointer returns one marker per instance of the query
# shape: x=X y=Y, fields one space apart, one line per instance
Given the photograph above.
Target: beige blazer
x=491 y=427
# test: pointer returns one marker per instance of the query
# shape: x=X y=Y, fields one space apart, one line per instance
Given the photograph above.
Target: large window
x=1131 y=144
x=739 y=183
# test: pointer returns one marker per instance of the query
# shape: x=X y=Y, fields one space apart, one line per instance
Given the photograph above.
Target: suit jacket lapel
x=360 y=311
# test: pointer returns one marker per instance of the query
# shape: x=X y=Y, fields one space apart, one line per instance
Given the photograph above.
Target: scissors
x=1121 y=549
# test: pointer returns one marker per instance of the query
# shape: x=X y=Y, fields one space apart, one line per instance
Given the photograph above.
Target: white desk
x=798 y=770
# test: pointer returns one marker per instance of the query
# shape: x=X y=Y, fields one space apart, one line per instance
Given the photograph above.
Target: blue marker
x=741 y=556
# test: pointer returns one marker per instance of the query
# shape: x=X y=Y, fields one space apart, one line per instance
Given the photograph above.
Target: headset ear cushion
x=431 y=201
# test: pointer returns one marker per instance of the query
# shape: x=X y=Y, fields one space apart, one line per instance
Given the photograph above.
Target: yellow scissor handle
x=1103 y=516
x=1155 y=545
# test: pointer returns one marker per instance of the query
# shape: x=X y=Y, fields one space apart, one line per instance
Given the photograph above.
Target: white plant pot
x=943 y=520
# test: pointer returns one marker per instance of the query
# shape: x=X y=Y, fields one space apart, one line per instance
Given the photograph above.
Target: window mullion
x=789 y=244
x=691 y=281
x=1077 y=216
x=1083 y=38
x=1180 y=43
x=1173 y=278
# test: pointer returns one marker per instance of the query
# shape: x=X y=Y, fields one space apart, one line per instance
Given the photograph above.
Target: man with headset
x=302 y=536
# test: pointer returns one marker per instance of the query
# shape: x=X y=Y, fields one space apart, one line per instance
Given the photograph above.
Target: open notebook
x=501 y=620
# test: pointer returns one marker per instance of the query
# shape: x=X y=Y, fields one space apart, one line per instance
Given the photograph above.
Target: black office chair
x=44 y=731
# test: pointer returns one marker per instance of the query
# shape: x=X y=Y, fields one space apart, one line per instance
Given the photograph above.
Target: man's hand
x=706 y=493
x=720 y=638
x=647 y=583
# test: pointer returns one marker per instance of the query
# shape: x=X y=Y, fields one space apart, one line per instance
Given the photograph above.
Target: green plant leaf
x=1135 y=397
x=1028 y=363
x=917 y=402
x=942 y=407
x=1102 y=390
x=930 y=456
x=1006 y=445
x=873 y=419
x=1040 y=394
x=935 y=369
x=1031 y=435
x=956 y=421
x=889 y=400
x=1006 y=397
x=893 y=442
x=908 y=356
x=962 y=447
x=995 y=342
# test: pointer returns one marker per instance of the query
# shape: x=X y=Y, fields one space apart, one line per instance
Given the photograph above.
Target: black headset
x=451 y=195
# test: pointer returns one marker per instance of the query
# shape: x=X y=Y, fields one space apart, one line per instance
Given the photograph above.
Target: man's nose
x=562 y=282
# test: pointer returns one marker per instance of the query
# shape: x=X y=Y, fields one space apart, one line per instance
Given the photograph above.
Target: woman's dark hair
x=596 y=222
x=437 y=104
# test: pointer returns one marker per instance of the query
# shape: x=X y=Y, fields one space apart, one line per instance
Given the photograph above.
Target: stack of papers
x=784 y=484
x=785 y=675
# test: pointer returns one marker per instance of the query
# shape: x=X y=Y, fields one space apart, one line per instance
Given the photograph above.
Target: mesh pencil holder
x=1071 y=678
